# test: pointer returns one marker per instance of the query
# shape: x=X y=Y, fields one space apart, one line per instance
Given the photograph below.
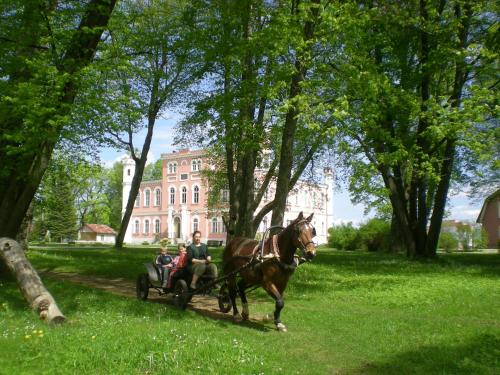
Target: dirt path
x=204 y=305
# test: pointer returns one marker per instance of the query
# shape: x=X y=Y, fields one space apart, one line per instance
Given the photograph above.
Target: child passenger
x=178 y=262
x=165 y=262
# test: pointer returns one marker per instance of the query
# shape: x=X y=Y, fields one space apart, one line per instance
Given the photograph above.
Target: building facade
x=176 y=206
x=489 y=217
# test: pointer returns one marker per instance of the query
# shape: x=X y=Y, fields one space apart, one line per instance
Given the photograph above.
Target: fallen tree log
x=29 y=282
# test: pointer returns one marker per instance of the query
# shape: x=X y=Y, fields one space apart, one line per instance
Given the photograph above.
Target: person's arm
x=208 y=257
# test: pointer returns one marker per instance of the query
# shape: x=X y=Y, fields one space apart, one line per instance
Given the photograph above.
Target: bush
x=375 y=235
x=145 y=242
x=343 y=237
x=447 y=241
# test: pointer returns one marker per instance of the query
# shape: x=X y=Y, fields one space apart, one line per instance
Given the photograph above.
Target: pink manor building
x=176 y=206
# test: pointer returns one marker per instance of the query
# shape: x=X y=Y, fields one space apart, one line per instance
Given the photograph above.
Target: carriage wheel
x=223 y=299
x=142 y=286
x=181 y=294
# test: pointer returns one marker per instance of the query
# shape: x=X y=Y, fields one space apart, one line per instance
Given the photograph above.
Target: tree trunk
x=29 y=282
x=290 y=126
x=140 y=164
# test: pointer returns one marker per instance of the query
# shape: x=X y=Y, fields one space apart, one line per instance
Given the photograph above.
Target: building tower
x=128 y=175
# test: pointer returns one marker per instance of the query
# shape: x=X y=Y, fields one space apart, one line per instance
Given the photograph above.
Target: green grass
x=348 y=313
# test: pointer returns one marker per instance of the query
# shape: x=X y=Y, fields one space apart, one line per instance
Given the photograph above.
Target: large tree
x=151 y=64
x=255 y=109
x=417 y=105
x=45 y=45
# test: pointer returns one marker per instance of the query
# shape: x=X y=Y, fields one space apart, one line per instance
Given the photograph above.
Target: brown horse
x=272 y=273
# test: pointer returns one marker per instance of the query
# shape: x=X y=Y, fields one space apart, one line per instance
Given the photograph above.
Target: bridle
x=302 y=246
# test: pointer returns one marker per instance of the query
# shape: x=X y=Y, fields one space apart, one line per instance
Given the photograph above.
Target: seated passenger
x=178 y=263
x=164 y=262
x=199 y=260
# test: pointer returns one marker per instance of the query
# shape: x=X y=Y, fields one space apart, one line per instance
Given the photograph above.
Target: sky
x=460 y=206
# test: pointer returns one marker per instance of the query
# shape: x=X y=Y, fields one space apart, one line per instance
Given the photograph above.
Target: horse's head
x=305 y=232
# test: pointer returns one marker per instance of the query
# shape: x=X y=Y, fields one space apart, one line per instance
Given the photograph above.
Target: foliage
x=54 y=209
x=433 y=316
x=448 y=241
x=375 y=235
x=113 y=192
x=153 y=171
x=344 y=237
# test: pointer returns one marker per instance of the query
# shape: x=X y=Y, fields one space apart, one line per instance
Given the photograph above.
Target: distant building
x=489 y=217
x=96 y=233
x=176 y=206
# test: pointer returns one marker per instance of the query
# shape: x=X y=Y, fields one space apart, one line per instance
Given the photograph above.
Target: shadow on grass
x=478 y=356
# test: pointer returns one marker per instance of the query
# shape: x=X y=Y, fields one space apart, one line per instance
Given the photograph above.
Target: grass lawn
x=347 y=313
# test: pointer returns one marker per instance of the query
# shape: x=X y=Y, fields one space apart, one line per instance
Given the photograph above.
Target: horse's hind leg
x=241 y=290
x=231 y=283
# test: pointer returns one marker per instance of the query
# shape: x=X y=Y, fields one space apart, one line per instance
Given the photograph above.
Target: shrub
x=447 y=241
x=343 y=237
x=375 y=235
x=145 y=242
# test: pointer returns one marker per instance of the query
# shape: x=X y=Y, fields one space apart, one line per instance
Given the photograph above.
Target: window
x=172 y=168
x=225 y=195
x=196 y=194
x=128 y=172
x=184 y=195
x=157 y=226
x=147 y=198
x=196 y=165
x=157 y=197
x=214 y=225
x=195 y=224
x=266 y=195
x=146 y=226
x=136 y=226
x=138 y=200
x=172 y=195
x=264 y=224
x=102 y=237
x=184 y=176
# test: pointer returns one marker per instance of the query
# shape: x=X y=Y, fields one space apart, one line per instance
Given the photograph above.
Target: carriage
x=182 y=295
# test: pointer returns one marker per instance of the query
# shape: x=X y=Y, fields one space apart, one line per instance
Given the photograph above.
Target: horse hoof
x=237 y=318
x=267 y=318
x=281 y=327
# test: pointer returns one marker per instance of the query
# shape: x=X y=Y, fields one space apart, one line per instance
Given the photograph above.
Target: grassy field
x=347 y=313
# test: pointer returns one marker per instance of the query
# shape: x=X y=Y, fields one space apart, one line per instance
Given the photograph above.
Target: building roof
x=99 y=228
x=485 y=204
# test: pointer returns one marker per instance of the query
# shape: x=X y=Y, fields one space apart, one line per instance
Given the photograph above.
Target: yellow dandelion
x=27 y=337
x=93 y=337
x=40 y=332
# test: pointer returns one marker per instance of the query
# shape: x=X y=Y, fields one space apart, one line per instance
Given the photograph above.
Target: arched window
x=128 y=172
x=147 y=197
x=184 y=195
x=196 y=194
x=136 y=226
x=172 y=195
x=199 y=165
x=195 y=224
x=157 y=197
x=146 y=226
x=194 y=166
x=157 y=226
x=138 y=200
x=214 y=225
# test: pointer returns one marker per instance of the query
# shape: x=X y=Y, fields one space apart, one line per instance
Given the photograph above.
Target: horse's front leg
x=231 y=283
x=241 y=290
x=273 y=291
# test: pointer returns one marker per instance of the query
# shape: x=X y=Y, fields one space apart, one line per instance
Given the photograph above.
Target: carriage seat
x=154 y=271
